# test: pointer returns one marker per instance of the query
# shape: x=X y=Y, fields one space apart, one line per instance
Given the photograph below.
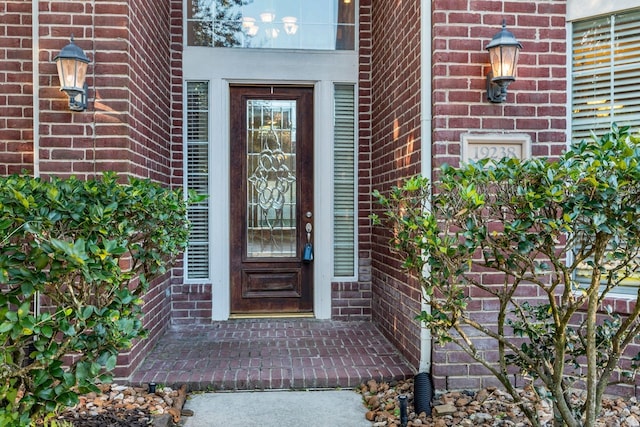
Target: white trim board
x=579 y=9
x=223 y=67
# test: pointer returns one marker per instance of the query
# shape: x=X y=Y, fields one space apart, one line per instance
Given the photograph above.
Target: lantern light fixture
x=503 y=56
x=72 y=66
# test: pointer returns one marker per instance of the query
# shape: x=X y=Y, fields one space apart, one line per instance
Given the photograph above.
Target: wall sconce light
x=72 y=71
x=503 y=55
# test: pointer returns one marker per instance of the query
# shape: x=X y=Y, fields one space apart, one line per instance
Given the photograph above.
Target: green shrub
x=537 y=222
x=89 y=249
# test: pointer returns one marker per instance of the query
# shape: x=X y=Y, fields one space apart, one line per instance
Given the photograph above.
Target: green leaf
x=46 y=330
x=67 y=399
x=87 y=312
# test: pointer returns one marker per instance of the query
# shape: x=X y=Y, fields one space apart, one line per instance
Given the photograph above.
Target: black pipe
x=422 y=393
x=403 y=410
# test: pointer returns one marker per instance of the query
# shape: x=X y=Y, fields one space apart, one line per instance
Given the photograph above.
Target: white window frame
x=582 y=9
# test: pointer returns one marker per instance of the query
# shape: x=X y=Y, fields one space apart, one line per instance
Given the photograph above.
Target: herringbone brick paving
x=272 y=354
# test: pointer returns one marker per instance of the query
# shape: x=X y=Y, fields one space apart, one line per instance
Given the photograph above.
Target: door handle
x=308 y=228
x=307 y=252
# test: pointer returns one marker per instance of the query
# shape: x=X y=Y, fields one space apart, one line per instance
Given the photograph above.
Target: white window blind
x=605 y=77
x=197 y=173
x=344 y=203
x=606 y=87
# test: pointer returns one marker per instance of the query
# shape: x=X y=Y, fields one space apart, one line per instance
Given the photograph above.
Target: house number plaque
x=495 y=146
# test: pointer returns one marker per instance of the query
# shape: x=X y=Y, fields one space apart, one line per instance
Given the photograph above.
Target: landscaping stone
x=487 y=407
x=122 y=406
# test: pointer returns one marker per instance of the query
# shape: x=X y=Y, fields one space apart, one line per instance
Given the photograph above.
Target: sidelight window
x=197 y=178
x=344 y=191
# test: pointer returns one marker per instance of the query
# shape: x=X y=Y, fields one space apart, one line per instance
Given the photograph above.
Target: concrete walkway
x=325 y=408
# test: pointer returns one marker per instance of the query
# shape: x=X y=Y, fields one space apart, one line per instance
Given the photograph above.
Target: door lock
x=307 y=252
x=308 y=229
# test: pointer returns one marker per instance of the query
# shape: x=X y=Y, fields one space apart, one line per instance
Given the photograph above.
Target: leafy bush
x=536 y=222
x=89 y=249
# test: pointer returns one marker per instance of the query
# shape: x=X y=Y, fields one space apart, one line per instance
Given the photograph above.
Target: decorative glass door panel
x=271 y=176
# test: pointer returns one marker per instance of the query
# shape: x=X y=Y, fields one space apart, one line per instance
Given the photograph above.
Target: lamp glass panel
x=64 y=73
x=503 y=61
x=82 y=74
x=72 y=74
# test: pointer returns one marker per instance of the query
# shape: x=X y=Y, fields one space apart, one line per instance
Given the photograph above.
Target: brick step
x=272 y=354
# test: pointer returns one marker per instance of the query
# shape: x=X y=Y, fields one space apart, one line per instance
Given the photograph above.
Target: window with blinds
x=605 y=78
x=606 y=88
x=344 y=175
x=197 y=178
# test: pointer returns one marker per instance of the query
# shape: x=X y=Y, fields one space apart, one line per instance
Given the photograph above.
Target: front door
x=271 y=200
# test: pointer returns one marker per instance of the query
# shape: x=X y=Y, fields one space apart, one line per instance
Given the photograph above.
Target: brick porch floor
x=272 y=354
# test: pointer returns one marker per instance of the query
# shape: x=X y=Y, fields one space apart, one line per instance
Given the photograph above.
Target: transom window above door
x=272 y=24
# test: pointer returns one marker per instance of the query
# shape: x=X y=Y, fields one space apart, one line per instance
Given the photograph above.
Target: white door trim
x=223 y=67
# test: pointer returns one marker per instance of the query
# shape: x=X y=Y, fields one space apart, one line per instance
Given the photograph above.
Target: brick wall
x=176 y=105
x=190 y=303
x=535 y=101
x=150 y=131
x=66 y=138
x=127 y=125
x=535 y=105
x=150 y=86
x=16 y=88
x=394 y=154
x=352 y=300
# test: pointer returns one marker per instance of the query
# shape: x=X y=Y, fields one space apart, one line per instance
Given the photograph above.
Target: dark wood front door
x=271 y=200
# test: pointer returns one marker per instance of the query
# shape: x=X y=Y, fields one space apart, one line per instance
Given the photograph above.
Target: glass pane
x=271 y=179
x=280 y=24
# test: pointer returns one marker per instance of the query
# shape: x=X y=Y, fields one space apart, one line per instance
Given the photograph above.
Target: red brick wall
x=150 y=86
x=16 y=88
x=535 y=105
x=149 y=114
x=352 y=300
x=66 y=138
x=176 y=108
x=536 y=101
x=394 y=154
x=128 y=123
x=190 y=303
